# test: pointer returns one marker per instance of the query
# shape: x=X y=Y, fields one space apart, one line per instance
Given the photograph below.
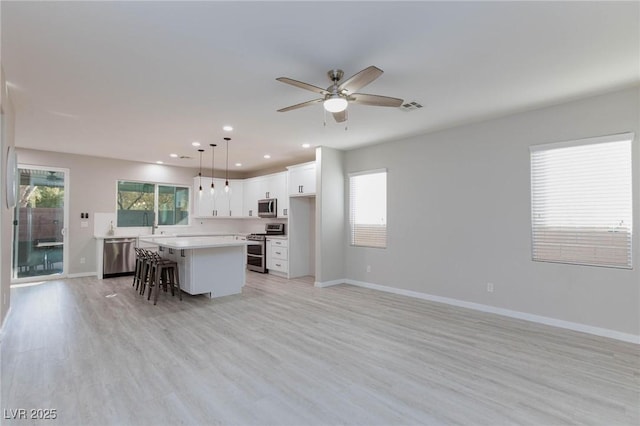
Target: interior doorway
x=40 y=218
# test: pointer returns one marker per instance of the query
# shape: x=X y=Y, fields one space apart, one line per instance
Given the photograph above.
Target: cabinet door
x=278 y=189
x=302 y=179
x=236 y=201
x=228 y=203
x=203 y=201
x=251 y=194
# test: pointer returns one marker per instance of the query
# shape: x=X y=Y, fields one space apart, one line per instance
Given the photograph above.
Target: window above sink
x=146 y=204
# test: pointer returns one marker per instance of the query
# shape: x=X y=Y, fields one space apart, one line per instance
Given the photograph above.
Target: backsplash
x=102 y=223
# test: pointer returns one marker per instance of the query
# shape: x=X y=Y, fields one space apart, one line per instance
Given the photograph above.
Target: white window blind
x=581 y=201
x=368 y=208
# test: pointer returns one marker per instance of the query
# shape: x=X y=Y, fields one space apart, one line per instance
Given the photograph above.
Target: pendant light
x=200 y=172
x=226 y=175
x=213 y=159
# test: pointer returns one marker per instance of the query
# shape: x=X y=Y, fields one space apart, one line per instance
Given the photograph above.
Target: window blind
x=581 y=201
x=368 y=208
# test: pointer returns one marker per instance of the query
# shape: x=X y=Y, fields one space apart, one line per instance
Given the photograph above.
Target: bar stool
x=147 y=270
x=137 y=274
x=164 y=274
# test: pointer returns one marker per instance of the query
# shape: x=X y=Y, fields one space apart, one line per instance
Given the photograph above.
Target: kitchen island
x=215 y=266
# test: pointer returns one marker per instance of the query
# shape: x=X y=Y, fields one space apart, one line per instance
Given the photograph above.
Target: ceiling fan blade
x=303 y=104
x=361 y=79
x=302 y=85
x=340 y=116
x=374 y=100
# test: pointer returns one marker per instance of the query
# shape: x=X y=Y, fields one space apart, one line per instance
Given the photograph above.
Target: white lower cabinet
x=278 y=256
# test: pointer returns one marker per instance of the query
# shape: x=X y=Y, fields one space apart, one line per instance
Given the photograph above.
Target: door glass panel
x=39 y=223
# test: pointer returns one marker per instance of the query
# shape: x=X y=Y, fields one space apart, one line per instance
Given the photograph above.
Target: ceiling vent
x=185 y=157
x=410 y=106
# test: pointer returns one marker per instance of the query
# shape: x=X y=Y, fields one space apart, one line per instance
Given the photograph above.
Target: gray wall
x=92 y=186
x=459 y=217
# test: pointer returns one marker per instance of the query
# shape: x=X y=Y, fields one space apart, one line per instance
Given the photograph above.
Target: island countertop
x=188 y=243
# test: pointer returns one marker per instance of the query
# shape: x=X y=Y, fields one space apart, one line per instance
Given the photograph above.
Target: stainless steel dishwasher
x=119 y=257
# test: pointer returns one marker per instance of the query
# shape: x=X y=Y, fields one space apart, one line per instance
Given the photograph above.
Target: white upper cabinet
x=253 y=187
x=242 y=198
x=302 y=179
x=228 y=204
x=268 y=186
x=218 y=203
x=276 y=187
x=203 y=201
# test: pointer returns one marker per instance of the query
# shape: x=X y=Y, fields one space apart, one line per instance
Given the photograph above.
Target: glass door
x=39 y=223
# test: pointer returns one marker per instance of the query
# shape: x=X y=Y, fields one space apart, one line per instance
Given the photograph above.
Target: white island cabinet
x=215 y=266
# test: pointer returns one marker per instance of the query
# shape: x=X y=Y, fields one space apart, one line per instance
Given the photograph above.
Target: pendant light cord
x=226 y=175
x=200 y=172
x=213 y=160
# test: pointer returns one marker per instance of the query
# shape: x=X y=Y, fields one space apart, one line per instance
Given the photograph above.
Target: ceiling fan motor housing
x=335 y=75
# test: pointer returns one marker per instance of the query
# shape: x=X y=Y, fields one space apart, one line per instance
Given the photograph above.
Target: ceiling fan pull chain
x=324 y=111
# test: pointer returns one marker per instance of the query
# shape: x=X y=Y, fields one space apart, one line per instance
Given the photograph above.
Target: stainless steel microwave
x=268 y=207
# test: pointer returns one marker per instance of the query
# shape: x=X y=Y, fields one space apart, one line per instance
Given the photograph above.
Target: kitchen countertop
x=170 y=235
x=277 y=237
x=199 y=242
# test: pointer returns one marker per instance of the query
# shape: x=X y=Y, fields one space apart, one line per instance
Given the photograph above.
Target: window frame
x=156 y=202
x=351 y=211
x=593 y=231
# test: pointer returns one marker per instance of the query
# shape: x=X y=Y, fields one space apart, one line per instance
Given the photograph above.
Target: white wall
x=92 y=188
x=459 y=217
x=330 y=220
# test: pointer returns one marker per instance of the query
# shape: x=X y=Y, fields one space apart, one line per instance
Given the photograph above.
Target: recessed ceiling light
x=173 y=155
x=159 y=162
x=227 y=128
x=195 y=143
x=306 y=145
x=238 y=164
x=267 y=156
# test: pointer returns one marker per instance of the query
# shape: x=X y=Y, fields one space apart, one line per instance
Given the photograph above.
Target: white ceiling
x=141 y=80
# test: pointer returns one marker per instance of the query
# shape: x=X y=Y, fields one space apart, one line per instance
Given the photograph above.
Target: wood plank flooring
x=286 y=353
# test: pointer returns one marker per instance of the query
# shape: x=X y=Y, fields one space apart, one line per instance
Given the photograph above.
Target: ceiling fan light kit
x=340 y=93
x=335 y=103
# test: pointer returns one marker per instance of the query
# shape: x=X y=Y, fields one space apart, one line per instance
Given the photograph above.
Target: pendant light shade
x=200 y=171
x=226 y=174
x=213 y=159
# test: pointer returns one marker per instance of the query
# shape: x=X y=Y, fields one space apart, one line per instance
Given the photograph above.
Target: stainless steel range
x=257 y=253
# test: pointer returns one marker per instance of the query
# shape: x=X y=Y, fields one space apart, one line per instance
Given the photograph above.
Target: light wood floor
x=286 y=353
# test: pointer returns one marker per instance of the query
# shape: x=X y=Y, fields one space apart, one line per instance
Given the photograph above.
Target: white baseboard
x=329 y=283
x=82 y=274
x=598 y=331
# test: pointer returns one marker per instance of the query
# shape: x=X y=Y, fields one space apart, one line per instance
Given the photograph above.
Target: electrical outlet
x=490 y=287
x=368 y=268
x=82 y=260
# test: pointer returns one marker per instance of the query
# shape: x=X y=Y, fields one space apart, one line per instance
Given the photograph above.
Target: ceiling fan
x=340 y=93
x=53 y=176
